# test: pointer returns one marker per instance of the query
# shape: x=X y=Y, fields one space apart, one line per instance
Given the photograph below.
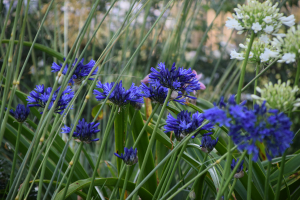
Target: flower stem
x=15 y=154
x=297 y=74
x=197 y=182
x=249 y=184
x=72 y=170
x=232 y=188
x=149 y=148
x=238 y=98
x=230 y=176
x=267 y=180
x=111 y=119
x=126 y=180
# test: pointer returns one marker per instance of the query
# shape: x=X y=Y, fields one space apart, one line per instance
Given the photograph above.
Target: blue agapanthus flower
x=159 y=94
x=185 y=124
x=239 y=172
x=208 y=144
x=179 y=79
x=84 y=131
x=120 y=96
x=248 y=127
x=21 y=112
x=129 y=157
x=39 y=97
x=80 y=71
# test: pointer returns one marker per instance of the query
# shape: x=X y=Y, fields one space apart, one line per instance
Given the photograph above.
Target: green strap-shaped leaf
x=142 y=147
x=43 y=48
x=81 y=184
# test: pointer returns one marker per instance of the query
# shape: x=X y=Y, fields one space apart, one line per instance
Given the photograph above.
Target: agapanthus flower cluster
x=185 y=123
x=176 y=79
x=259 y=17
x=289 y=46
x=261 y=51
x=39 y=97
x=21 y=113
x=129 y=157
x=207 y=143
x=80 y=72
x=119 y=96
x=279 y=96
x=159 y=94
x=247 y=127
x=239 y=172
x=84 y=131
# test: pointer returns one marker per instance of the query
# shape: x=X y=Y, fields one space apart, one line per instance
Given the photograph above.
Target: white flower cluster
x=289 y=46
x=259 y=17
x=261 y=50
x=279 y=96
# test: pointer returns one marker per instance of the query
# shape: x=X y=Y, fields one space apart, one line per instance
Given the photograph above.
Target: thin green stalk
x=72 y=170
x=149 y=148
x=107 y=131
x=284 y=154
x=221 y=191
x=2 y=33
x=45 y=163
x=174 y=167
x=168 y=171
x=200 y=174
x=15 y=154
x=256 y=77
x=137 y=187
x=243 y=72
x=162 y=178
x=60 y=161
x=249 y=184
x=71 y=166
x=267 y=180
x=126 y=180
x=200 y=170
x=232 y=188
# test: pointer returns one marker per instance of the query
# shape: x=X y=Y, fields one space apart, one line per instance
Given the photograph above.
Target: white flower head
x=233 y=24
x=256 y=27
x=236 y=55
x=239 y=15
x=267 y=54
x=268 y=19
x=269 y=29
x=288 y=58
x=251 y=54
x=264 y=38
x=288 y=21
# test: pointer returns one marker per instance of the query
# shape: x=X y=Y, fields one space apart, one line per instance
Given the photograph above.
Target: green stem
x=168 y=171
x=15 y=154
x=125 y=181
x=174 y=167
x=45 y=163
x=197 y=182
x=72 y=170
x=249 y=177
x=107 y=131
x=297 y=74
x=238 y=98
x=149 y=148
x=232 y=188
x=267 y=180
x=231 y=176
